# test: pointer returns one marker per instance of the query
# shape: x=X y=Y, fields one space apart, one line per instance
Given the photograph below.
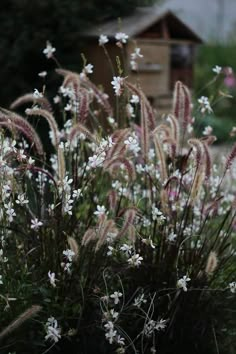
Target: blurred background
x=26 y=25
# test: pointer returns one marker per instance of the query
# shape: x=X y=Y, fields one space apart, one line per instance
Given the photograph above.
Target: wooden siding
x=153 y=74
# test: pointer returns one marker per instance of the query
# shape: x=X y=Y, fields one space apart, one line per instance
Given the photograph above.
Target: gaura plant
x=120 y=241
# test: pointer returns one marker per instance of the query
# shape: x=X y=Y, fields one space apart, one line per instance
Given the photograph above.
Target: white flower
x=120 y=340
x=132 y=143
x=37 y=94
x=207 y=130
x=49 y=50
x=136 y=54
x=56 y=99
x=101 y=210
x=88 y=69
x=171 y=237
x=135 y=260
x=10 y=211
x=111 y=120
x=116 y=297
x=1 y=282
x=232 y=287
x=68 y=107
x=160 y=325
x=139 y=300
x=205 y=104
x=109 y=325
x=182 y=282
x=52 y=278
x=69 y=254
x=117 y=83
x=133 y=65
x=134 y=99
x=35 y=224
x=156 y=213
x=130 y=110
x=110 y=336
x=121 y=37
x=77 y=193
x=21 y=200
x=217 y=69
x=31 y=161
x=96 y=160
x=103 y=39
x=110 y=250
x=53 y=331
x=127 y=249
x=42 y=74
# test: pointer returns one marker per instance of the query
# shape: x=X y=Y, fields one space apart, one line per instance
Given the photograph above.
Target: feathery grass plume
x=197 y=183
x=142 y=97
x=132 y=233
x=198 y=145
x=208 y=161
x=209 y=140
x=144 y=131
x=230 y=158
x=79 y=128
x=175 y=130
x=115 y=163
x=182 y=105
x=212 y=262
x=61 y=163
x=160 y=154
x=73 y=246
x=50 y=119
x=106 y=227
x=14 y=121
x=26 y=315
x=112 y=198
x=172 y=144
x=90 y=235
x=118 y=148
x=100 y=96
x=129 y=217
x=83 y=105
x=164 y=129
x=30 y=98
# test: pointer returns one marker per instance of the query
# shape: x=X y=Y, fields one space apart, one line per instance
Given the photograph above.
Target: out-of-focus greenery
x=27 y=24
x=224 y=108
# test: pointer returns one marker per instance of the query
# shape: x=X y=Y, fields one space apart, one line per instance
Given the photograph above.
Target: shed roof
x=141 y=20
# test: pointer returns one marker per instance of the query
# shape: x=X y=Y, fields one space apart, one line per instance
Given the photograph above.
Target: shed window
x=181 y=56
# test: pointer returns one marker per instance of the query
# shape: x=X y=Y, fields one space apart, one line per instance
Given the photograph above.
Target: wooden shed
x=166 y=43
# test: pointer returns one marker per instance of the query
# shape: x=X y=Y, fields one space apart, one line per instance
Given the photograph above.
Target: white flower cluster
x=152 y=325
x=207 y=130
x=69 y=256
x=100 y=153
x=134 y=258
x=117 y=84
x=69 y=196
x=52 y=330
x=121 y=37
x=205 y=105
x=132 y=144
x=157 y=214
x=133 y=59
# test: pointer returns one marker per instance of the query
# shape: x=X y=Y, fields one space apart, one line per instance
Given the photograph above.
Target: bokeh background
x=26 y=25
